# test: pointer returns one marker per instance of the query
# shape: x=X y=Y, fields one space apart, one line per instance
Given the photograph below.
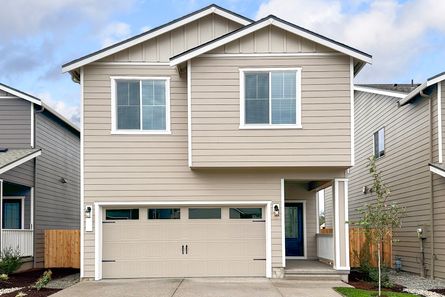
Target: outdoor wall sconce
x=63 y=180
x=276 y=210
x=88 y=218
x=88 y=212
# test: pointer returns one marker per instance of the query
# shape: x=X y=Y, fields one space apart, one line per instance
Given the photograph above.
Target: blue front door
x=294 y=229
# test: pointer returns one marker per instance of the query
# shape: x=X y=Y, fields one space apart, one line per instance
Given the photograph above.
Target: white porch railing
x=325 y=246
x=18 y=238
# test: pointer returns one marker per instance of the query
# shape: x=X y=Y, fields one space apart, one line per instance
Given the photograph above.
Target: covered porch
x=17 y=200
x=310 y=248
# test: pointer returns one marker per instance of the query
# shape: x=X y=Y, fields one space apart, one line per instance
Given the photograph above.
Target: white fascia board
x=154 y=34
x=20 y=95
x=260 y=25
x=435 y=80
x=437 y=171
x=20 y=162
x=420 y=88
x=379 y=92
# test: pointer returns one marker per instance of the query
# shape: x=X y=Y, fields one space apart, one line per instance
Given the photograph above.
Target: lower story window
x=164 y=213
x=12 y=214
x=245 y=213
x=204 y=213
x=122 y=214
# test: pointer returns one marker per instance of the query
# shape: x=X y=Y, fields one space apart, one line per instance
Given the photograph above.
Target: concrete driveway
x=210 y=287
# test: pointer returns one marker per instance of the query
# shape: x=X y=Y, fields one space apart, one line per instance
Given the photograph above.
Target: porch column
x=1 y=215
x=341 y=225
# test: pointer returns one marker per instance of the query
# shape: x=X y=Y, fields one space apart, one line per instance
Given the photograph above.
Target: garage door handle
x=183 y=249
x=186 y=249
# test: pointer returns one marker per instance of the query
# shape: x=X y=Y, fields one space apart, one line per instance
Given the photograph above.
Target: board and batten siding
x=323 y=140
x=161 y=48
x=404 y=167
x=122 y=168
x=57 y=204
x=15 y=122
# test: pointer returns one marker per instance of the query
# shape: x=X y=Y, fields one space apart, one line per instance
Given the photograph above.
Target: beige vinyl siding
x=329 y=207
x=15 y=122
x=324 y=139
x=57 y=204
x=155 y=167
x=298 y=192
x=161 y=48
x=443 y=117
x=271 y=40
x=404 y=166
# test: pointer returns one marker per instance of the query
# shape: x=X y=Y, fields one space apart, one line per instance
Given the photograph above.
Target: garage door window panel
x=246 y=213
x=164 y=213
x=204 y=213
x=122 y=214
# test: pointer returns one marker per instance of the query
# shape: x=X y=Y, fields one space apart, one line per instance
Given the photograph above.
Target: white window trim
x=114 y=129
x=243 y=125
x=384 y=143
x=22 y=210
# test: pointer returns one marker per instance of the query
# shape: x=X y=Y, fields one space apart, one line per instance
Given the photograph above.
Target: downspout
x=431 y=184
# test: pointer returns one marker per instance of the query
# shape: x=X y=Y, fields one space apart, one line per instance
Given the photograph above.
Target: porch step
x=315 y=275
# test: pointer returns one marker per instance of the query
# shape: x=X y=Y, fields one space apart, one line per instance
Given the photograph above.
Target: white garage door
x=184 y=242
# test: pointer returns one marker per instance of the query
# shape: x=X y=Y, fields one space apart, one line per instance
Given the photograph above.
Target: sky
x=405 y=37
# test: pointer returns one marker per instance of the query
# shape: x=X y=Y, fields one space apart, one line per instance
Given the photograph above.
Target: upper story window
x=379 y=143
x=141 y=105
x=270 y=98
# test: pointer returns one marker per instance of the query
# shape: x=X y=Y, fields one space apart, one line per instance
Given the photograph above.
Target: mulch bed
x=357 y=279
x=440 y=291
x=28 y=278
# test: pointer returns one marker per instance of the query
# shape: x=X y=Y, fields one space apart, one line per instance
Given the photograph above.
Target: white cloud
x=71 y=112
x=114 y=32
x=394 y=33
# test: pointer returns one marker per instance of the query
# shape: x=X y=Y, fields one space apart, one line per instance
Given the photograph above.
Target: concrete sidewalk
x=202 y=287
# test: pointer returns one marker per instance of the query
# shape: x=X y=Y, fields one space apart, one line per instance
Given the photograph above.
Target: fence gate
x=62 y=249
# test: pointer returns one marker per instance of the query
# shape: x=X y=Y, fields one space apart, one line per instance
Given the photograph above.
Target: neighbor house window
x=12 y=214
x=164 y=213
x=379 y=143
x=245 y=213
x=141 y=105
x=271 y=98
x=122 y=214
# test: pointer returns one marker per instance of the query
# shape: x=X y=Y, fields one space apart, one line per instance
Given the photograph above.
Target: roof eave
x=20 y=94
x=20 y=161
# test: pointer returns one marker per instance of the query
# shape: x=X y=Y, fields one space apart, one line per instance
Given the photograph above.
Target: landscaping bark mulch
x=440 y=291
x=27 y=279
x=358 y=280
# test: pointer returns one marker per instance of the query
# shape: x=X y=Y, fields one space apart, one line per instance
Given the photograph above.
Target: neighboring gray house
x=403 y=126
x=39 y=173
x=204 y=142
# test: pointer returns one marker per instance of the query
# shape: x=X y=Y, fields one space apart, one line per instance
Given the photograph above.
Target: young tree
x=379 y=218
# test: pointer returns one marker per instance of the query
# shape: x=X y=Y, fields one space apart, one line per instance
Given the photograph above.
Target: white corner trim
x=262 y=24
x=337 y=265
x=31 y=206
x=98 y=210
x=352 y=114
x=20 y=162
x=82 y=182
x=114 y=49
x=346 y=190
x=189 y=112
x=283 y=229
x=336 y=227
x=20 y=95
x=297 y=125
x=439 y=122
x=32 y=124
x=379 y=92
x=437 y=171
x=116 y=131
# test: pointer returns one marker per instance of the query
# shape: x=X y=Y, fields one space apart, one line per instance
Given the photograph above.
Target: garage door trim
x=98 y=225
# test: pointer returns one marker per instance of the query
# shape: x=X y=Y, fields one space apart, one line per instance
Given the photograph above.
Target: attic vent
x=3 y=149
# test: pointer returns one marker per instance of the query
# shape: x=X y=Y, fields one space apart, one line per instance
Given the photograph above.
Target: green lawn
x=352 y=292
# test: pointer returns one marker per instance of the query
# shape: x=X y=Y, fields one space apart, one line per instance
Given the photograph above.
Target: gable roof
x=270 y=20
x=14 y=157
x=77 y=63
x=429 y=82
x=38 y=102
x=20 y=94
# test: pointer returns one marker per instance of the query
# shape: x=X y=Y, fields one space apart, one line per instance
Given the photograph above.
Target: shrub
x=43 y=280
x=3 y=277
x=21 y=294
x=10 y=260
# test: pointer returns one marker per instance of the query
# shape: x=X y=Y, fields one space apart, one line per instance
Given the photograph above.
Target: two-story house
x=403 y=126
x=39 y=174
x=204 y=142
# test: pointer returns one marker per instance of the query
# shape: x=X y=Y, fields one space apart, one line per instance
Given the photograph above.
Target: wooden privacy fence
x=359 y=246
x=62 y=249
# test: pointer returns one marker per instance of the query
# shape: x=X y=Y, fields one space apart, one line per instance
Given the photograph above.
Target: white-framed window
x=13 y=212
x=379 y=143
x=140 y=105
x=270 y=98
